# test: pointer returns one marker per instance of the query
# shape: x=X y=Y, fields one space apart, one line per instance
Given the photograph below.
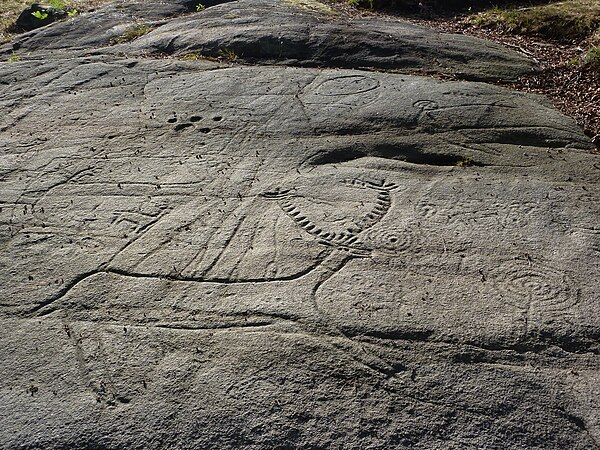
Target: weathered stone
x=267 y=32
x=107 y=24
x=289 y=32
x=205 y=255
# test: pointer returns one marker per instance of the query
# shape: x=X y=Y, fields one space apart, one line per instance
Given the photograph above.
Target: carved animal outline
x=345 y=246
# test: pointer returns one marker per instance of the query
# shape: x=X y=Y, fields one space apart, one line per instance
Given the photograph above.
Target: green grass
x=14 y=58
x=562 y=21
x=311 y=5
x=191 y=56
x=398 y=5
x=226 y=54
x=595 y=38
x=465 y=161
x=364 y=4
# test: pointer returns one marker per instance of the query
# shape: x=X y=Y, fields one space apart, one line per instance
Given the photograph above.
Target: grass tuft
x=191 y=56
x=591 y=59
x=465 y=161
x=222 y=55
x=14 y=58
x=226 y=54
x=311 y=5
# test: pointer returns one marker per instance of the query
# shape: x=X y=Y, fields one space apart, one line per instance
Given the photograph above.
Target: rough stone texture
x=265 y=32
x=98 y=28
x=277 y=32
x=198 y=255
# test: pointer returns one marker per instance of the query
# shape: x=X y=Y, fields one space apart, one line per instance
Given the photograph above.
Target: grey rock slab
x=266 y=32
x=303 y=33
x=102 y=27
x=203 y=256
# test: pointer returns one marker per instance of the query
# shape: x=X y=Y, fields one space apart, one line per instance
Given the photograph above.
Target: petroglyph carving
x=347 y=85
x=538 y=290
x=351 y=239
x=343 y=91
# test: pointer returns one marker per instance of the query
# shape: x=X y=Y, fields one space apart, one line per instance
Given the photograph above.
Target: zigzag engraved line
x=365 y=184
x=381 y=208
x=349 y=239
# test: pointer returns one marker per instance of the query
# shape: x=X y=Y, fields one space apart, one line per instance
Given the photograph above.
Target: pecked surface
x=206 y=256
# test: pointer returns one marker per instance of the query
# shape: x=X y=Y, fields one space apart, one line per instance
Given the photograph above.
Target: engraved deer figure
x=294 y=294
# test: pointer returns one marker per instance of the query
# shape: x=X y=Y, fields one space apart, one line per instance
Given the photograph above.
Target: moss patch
x=311 y=5
x=222 y=55
x=133 y=33
x=562 y=21
x=591 y=59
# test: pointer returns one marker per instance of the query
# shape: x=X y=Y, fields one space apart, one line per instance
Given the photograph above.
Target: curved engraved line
x=123 y=273
x=376 y=85
x=64 y=291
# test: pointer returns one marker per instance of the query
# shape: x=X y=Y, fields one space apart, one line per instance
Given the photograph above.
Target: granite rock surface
x=285 y=32
x=205 y=254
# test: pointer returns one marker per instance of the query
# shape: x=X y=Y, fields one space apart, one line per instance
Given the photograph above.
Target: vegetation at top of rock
x=465 y=161
x=58 y=4
x=311 y=5
x=572 y=21
x=562 y=21
x=558 y=20
x=436 y=6
x=10 y=10
x=564 y=36
x=39 y=15
x=14 y=57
